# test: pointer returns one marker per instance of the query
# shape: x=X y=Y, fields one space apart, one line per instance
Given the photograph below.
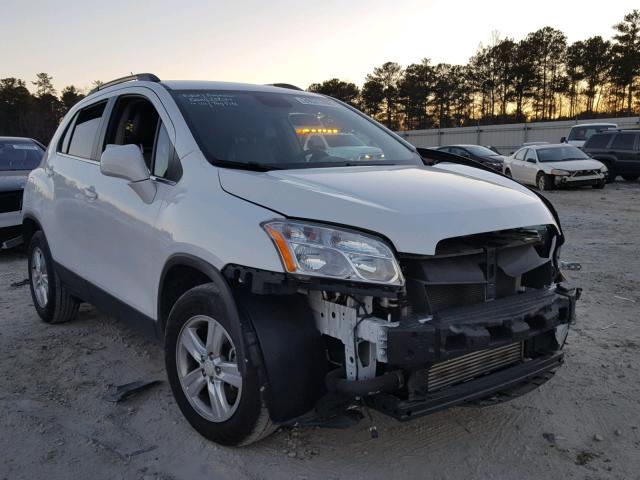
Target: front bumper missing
x=461 y=330
x=507 y=383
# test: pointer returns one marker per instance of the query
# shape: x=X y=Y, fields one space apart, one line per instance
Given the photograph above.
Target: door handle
x=90 y=192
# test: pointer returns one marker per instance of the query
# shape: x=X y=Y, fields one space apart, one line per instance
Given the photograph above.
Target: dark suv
x=619 y=150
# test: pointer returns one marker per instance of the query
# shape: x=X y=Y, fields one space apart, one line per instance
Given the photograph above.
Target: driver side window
x=135 y=121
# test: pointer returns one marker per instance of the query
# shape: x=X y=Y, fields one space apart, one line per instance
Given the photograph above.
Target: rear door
x=74 y=169
x=516 y=164
x=625 y=147
x=530 y=167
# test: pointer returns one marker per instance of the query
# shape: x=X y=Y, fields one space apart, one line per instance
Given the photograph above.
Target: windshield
x=481 y=151
x=285 y=130
x=584 y=133
x=19 y=155
x=560 y=154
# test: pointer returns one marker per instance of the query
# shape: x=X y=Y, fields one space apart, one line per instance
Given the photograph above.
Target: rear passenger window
x=85 y=131
x=624 y=141
x=520 y=154
x=598 y=141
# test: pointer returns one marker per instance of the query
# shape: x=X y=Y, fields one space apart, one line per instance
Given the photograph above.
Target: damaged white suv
x=279 y=273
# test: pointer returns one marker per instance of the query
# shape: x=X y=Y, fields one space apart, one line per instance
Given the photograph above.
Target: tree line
x=541 y=77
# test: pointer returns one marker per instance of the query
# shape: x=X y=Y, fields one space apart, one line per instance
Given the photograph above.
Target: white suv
x=275 y=274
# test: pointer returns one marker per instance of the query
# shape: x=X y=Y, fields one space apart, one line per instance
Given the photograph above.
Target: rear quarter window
x=624 y=141
x=598 y=141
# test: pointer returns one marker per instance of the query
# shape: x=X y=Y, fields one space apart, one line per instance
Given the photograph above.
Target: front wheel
x=544 y=182
x=203 y=366
x=599 y=185
x=630 y=178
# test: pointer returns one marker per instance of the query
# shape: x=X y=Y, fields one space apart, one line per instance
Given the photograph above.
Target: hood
x=573 y=165
x=13 y=180
x=414 y=207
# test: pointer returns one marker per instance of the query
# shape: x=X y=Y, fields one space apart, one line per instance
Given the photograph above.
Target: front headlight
x=324 y=251
x=562 y=173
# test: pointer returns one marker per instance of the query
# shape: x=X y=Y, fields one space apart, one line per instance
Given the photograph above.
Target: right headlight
x=332 y=252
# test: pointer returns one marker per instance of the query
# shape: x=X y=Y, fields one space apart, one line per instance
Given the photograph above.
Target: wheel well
x=29 y=228
x=176 y=281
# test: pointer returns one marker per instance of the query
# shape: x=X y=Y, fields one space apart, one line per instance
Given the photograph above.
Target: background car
x=618 y=150
x=550 y=166
x=581 y=133
x=478 y=153
x=18 y=156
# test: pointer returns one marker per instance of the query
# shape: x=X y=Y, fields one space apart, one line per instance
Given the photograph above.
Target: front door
x=127 y=241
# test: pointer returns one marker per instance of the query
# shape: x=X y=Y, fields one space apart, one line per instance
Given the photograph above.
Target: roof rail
x=285 y=85
x=140 y=77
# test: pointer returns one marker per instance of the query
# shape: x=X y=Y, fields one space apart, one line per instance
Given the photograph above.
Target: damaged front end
x=483 y=316
x=482 y=320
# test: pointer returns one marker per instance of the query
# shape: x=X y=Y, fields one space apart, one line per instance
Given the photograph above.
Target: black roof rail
x=140 y=77
x=285 y=85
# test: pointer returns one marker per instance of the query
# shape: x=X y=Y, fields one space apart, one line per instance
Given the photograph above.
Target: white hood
x=573 y=165
x=414 y=207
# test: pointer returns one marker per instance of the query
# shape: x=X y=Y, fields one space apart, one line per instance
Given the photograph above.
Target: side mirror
x=127 y=162
x=531 y=160
x=563 y=140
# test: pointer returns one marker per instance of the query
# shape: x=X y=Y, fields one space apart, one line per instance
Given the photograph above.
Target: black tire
x=250 y=421
x=611 y=174
x=60 y=306
x=599 y=185
x=544 y=182
x=631 y=178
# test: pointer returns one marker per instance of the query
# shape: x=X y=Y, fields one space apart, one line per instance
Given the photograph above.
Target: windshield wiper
x=253 y=166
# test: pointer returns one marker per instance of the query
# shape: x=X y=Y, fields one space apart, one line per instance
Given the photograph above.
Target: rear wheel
x=53 y=302
x=544 y=182
x=631 y=178
x=203 y=366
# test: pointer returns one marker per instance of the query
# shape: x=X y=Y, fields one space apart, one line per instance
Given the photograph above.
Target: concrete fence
x=506 y=138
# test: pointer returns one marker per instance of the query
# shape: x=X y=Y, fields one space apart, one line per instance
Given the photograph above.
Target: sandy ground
x=583 y=424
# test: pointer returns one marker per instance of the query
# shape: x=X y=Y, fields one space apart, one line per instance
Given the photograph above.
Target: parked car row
x=592 y=155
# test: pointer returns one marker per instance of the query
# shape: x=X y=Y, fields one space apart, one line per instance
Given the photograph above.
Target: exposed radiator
x=472 y=365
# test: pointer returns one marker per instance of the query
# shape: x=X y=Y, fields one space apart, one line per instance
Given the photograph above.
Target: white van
x=581 y=133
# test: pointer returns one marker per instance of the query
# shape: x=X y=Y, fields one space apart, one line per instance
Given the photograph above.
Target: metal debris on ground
x=624 y=298
x=21 y=283
x=570 y=266
x=128 y=389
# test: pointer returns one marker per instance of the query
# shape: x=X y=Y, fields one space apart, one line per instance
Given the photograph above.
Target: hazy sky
x=268 y=41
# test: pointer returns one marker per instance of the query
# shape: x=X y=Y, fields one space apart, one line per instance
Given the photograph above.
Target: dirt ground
x=583 y=424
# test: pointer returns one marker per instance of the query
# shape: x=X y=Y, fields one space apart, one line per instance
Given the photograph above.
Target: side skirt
x=107 y=303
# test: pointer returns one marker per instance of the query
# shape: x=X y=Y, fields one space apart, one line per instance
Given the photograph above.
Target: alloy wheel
x=208 y=368
x=39 y=277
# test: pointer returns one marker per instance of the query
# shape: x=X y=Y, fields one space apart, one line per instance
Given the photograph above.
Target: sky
x=269 y=41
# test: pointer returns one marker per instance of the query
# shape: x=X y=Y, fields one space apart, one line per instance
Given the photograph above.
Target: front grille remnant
x=472 y=365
